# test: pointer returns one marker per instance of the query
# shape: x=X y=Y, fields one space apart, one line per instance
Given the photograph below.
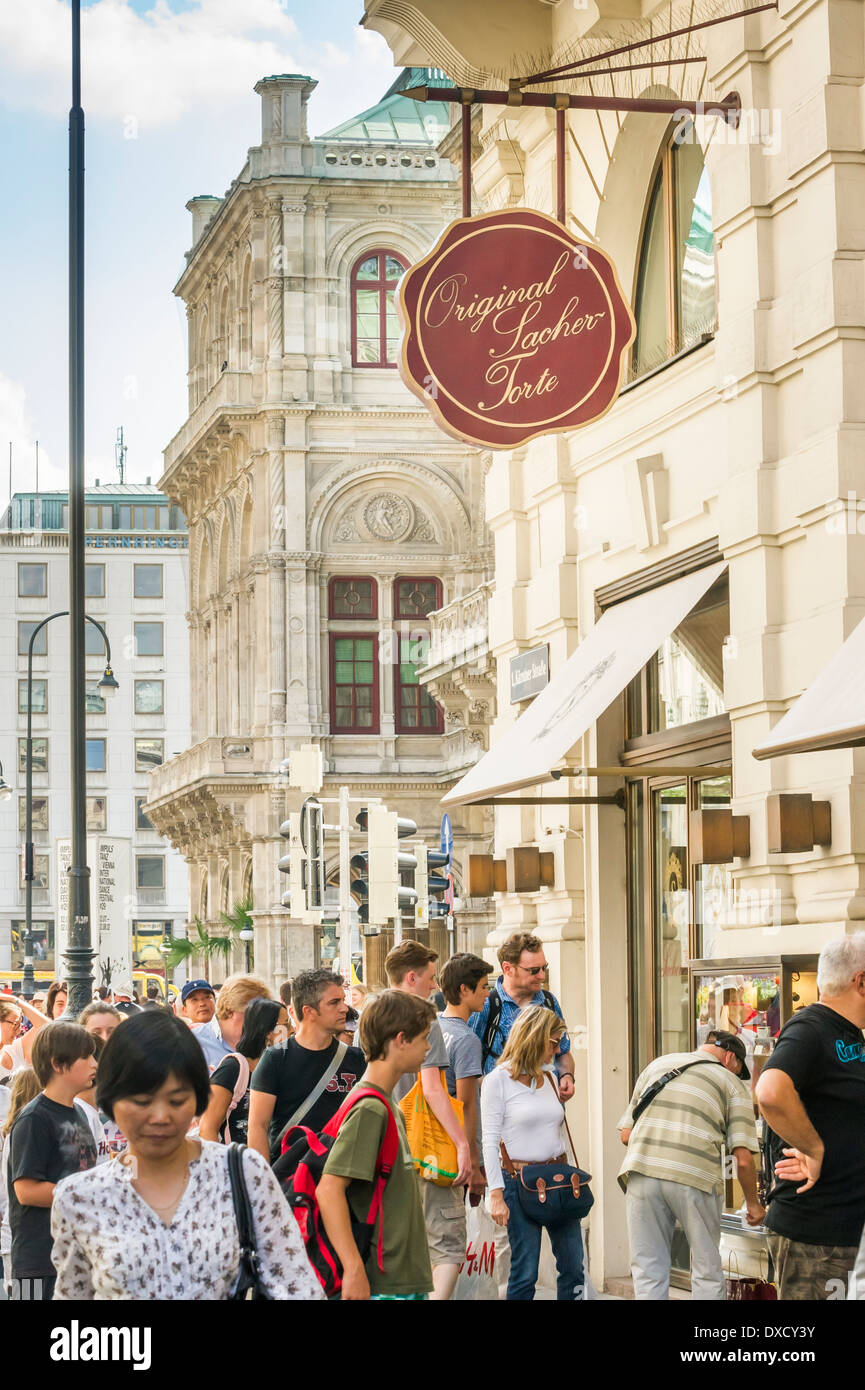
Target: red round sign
x=512 y=328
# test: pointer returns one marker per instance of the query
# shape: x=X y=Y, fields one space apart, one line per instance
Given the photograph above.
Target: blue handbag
x=551 y=1194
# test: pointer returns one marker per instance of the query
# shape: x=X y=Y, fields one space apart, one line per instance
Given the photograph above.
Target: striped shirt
x=680 y=1134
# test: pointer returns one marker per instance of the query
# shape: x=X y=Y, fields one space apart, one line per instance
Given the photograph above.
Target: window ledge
x=668 y=362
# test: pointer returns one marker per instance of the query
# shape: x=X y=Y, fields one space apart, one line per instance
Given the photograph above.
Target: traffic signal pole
x=343 y=940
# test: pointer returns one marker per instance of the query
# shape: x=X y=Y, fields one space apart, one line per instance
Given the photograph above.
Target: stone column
x=275 y=274
x=277 y=663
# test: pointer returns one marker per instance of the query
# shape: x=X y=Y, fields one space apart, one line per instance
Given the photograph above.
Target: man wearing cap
x=686 y=1107
x=124 y=999
x=197 y=1002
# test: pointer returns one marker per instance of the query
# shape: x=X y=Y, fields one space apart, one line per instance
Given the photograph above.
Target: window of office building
x=41 y=872
x=97 y=813
x=374 y=326
x=149 y=697
x=94 y=642
x=98 y=518
x=149 y=871
x=32 y=581
x=352 y=598
x=147 y=581
x=148 y=639
x=142 y=821
x=96 y=755
x=354 y=683
x=38 y=755
x=39 y=696
x=94 y=581
x=40 y=644
x=39 y=811
x=149 y=753
x=94 y=700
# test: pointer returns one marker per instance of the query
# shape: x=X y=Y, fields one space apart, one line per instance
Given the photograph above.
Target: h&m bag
x=433 y=1151
x=552 y=1193
x=249 y=1281
x=298 y=1171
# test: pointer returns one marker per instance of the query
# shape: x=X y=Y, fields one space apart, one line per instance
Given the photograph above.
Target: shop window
x=38 y=694
x=354 y=683
x=146 y=940
x=94 y=581
x=32 y=581
x=415 y=598
x=374 y=327
x=97 y=813
x=41 y=943
x=38 y=755
x=149 y=697
x=675 y=296
x=416 y=710
x=352 y=598
x=684 y=681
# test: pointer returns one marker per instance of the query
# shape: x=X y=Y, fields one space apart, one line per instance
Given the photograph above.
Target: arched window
x=374 y=328
x=675 y=296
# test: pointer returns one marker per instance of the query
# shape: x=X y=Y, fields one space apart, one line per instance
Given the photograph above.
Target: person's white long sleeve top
x=530 y=1119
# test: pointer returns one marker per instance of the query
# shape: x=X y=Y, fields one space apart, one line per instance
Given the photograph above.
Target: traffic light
x=312 y=840
x=291 y=863
x=377 y=887
x=436 y=883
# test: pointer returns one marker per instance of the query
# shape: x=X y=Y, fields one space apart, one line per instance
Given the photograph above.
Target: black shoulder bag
x=249 y=1282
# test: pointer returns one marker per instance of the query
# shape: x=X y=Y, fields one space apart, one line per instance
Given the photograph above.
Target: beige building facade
x=328 y=517
x=734 y=444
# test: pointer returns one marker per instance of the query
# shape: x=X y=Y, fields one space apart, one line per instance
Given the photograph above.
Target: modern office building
x=137 y=588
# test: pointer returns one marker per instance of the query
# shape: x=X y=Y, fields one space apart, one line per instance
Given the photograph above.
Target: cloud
x=16 y=428
x=155 y=66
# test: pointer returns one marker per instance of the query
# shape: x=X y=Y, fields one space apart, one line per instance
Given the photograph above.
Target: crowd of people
x=118 y=1130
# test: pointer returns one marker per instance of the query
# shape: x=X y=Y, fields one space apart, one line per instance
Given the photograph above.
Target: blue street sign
x=447 y=837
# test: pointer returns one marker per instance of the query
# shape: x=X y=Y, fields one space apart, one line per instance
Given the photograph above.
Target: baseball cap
x=192 y=985
x=728 y=1042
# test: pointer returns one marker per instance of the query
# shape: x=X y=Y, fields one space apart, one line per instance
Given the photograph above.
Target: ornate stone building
x=328 y=517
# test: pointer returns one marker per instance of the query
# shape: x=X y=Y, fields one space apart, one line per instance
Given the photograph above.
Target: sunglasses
x=533 y=969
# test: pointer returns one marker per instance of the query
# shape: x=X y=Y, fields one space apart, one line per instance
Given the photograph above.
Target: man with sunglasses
x=524 y=970
x=812 y=1095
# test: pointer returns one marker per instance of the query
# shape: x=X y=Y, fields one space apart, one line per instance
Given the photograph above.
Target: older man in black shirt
x=812 y=1094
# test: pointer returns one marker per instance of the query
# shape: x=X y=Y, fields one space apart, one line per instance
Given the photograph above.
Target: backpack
x=299 y=1170
x=241 y=1086
x=491 y=1028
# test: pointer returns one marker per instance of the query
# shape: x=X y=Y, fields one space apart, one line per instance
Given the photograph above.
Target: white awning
x=831 y=712
x=621 y=643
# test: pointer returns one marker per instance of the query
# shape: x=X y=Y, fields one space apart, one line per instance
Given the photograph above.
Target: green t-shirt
x=405 y=1254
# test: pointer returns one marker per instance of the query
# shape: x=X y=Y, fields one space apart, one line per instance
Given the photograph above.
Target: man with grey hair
x=812 y=1095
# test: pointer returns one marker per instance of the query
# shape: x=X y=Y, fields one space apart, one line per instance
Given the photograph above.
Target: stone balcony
x=232 y=391
x=201 y=798
x=461 y=673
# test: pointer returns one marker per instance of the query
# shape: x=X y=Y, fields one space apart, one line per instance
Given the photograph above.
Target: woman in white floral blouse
x=158 y=1222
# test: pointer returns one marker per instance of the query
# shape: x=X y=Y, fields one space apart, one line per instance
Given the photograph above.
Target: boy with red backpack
x=394 y=1034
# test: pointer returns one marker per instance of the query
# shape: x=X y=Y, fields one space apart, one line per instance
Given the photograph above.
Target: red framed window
x=374 y=327
x=415 y=598
x=416 y=712
x=354 y=683
x=352 y=596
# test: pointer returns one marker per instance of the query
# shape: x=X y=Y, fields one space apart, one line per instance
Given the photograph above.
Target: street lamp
x=247 y=935
x=108 y=685
x=5 y=789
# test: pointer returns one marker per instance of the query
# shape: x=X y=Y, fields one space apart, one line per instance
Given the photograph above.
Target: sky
x=170 y=111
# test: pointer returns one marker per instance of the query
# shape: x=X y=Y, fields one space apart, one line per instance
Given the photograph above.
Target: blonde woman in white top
x=15 y=1051
x=158 y=1222
x=521 y=1109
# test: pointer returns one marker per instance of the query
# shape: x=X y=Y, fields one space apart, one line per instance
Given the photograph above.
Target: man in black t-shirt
x=812 y=1095
x=50 y=1139
x=287 y=1083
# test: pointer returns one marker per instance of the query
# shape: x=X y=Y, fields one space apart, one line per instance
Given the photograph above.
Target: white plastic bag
x=477 y=1272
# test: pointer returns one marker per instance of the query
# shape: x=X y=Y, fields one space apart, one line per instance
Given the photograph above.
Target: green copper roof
x=395 y=119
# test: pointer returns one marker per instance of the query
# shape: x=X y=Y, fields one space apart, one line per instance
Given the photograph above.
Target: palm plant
x=201 y=943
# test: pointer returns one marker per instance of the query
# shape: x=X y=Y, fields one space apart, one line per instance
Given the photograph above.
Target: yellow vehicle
x=141 y=979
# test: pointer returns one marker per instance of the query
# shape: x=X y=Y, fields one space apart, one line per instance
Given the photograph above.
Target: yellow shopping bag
x=432 y=1149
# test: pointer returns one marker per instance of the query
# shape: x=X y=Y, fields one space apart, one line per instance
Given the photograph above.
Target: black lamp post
x=107 y=685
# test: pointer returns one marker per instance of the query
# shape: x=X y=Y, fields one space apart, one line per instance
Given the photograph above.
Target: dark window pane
x=351 y=598
x=651 y=346
x=94 y=642
x=150 y=871
x=148 y=639
x=94 y=581
x=32 y=581
x=148 y=581
x=141 y=819
x=25 y=632
x=416 y=597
